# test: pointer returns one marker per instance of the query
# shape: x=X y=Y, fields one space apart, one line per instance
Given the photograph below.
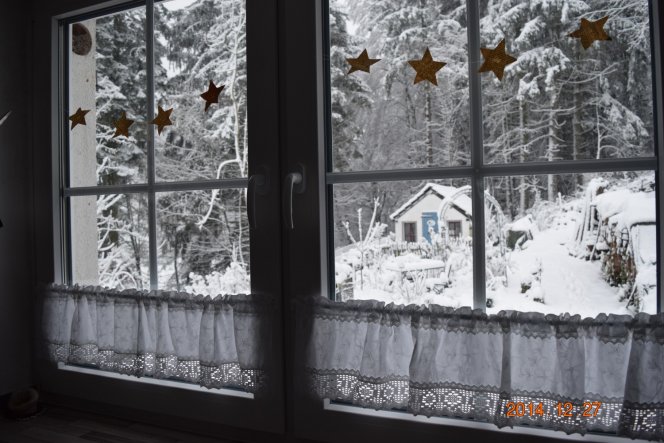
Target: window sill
x=154 y=381
x=521 y=430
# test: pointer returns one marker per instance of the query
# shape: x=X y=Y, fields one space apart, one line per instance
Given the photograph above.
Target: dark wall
x=39 y=43
x=15 y=197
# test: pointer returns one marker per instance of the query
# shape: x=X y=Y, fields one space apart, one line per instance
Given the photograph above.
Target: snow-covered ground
x=567 y=283
x=543 y=275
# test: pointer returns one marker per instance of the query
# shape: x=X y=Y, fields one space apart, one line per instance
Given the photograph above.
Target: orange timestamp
x=562 y=409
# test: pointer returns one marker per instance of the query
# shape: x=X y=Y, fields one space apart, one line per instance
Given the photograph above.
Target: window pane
x=203 y=242
x=381 y=119
x=587 y=249
x=559 y=101
x=109 y=241
x=404 y=242
x=198 y=42
x=107 y=78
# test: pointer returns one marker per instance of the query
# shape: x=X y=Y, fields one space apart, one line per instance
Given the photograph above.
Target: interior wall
x=42 y=47
x=15 y=195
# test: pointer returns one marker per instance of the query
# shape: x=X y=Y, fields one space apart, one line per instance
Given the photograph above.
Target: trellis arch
x=493 y=203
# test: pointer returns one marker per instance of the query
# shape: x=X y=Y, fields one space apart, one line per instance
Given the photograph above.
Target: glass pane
x=107 y=79
x=203 y=242
x=559 y=101
x=381 y=119
x=586 y=248
x=198 y=42
x=109 y=241
x=404 y=242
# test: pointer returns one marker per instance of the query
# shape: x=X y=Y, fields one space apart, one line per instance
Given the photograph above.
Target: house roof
x=462 y=203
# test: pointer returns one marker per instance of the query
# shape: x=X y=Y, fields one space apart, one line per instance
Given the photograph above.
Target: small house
x=421 y=212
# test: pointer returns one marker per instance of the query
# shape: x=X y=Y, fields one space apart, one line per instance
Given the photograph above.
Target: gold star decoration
x=361 y=63
x=496 y=60
x=122 y=125
x=78 y=118
x=426 y=68
x=162 y=119
x=590 y=32
x=211 y=95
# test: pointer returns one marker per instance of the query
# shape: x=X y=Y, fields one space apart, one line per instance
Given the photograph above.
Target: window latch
x=293 y=183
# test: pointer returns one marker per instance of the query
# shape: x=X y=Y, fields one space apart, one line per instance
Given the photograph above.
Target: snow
x=611 y=203
x=644 y=239
x=541 y=276
x=524 y=224
x=625 y=208
x=409 y=262
x=174 y=5
x=568 y=284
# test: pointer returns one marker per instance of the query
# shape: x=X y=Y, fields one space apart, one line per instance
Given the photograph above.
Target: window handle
x=257 y=184
x=290 y=182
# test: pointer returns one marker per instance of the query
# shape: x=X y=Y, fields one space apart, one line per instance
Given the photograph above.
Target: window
x=467 y=193
x=159 y=204
x=515 y=161
x=409 y=229
x=454 y=229
x=162 y=184
x=520 y=161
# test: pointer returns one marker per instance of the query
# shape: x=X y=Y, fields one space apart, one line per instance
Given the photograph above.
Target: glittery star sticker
x=122 y=125
x=362 y=62
x=426 y=68
x=78 y=118
x=590 y=32
x=163 y=119
x=496 y=59
x=211 y=95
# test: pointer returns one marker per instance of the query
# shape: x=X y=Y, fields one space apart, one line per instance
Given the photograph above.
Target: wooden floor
x=59 y=425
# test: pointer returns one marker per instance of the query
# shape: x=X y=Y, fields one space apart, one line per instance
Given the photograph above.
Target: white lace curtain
x=211 y=342
x=439 y=361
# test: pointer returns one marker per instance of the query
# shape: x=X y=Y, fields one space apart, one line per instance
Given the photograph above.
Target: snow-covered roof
x=461 y=202
x=625 y=208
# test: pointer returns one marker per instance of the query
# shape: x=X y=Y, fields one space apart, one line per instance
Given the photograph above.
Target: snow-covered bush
x=234 y=280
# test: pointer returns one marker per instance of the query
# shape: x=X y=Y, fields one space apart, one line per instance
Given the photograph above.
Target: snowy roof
x=461 y=203
x=625 y=208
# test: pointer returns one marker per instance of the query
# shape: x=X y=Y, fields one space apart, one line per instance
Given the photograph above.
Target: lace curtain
x=211 y=342
x=438 y=361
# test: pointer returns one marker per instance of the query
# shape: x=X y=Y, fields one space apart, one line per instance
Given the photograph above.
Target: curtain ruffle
x=212 y=342
x=439 y=361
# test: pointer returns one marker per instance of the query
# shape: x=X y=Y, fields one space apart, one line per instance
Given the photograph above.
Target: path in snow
x=568 y=284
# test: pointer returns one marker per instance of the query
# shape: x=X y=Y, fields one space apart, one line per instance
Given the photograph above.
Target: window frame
x=477 y=171
x=455 y=233
x=206 y=410
x=410 y=233
x=151 y=187
x=330 y=421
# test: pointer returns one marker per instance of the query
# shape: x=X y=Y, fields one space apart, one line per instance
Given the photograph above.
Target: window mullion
x=476 y=155
x=658 y=111
x=152 y=206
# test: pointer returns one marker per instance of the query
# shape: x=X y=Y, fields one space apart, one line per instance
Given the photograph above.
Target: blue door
x=429 y=220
